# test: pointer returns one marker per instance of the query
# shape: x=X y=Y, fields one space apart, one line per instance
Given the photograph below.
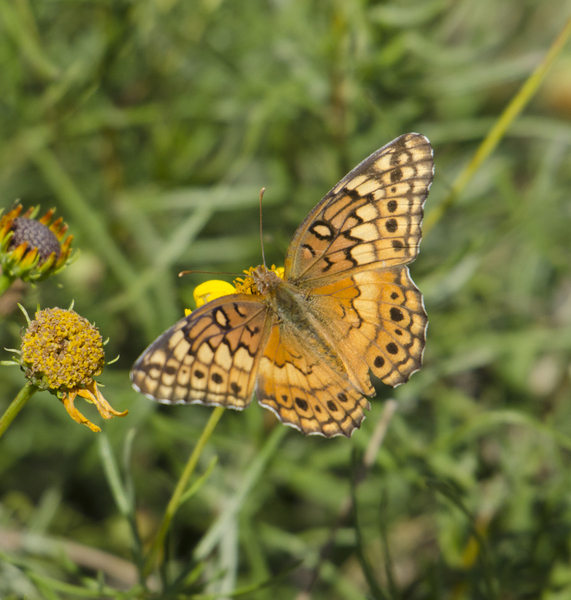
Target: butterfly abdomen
x=294 y=311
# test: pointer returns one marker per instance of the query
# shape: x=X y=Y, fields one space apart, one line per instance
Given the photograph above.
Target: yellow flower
x=30 y=248
x=247 y=285
x=216 y=288
x=62 y=353
x=212 y=289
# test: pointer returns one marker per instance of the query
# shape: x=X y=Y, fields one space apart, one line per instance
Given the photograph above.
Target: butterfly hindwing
x=378 y=322
x=303 y=391
x=209 y=357
x=370 y=219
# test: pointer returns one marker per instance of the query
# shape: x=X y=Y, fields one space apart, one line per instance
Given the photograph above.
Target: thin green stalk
x=234 y=506
x=375 y=589
x=181 y=486
x=497 y=132
x=120 y=495
x=16 y=406
x=5 y=282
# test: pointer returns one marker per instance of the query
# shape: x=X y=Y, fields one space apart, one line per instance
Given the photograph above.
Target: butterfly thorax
x=284 y=299
x=295 y=317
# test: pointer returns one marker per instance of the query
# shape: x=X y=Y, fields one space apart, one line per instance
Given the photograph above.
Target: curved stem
x=180 y=489
x=16 y=406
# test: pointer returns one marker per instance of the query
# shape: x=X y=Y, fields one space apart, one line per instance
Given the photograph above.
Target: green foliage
x=152 y=125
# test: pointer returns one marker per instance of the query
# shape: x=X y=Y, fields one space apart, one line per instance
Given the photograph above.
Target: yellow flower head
x=62 y=353
x=212 y=289
x=30 y=248
x=247 y=285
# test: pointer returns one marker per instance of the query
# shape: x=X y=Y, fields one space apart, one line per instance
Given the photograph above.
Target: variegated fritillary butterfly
x=346 y=306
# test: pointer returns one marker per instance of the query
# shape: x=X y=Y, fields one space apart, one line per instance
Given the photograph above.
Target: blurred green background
x=152 y=125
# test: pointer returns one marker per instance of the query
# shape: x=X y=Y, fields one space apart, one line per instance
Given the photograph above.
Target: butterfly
x=346 y=307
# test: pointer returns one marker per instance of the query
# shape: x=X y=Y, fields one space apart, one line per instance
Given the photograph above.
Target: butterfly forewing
x=370 y=219
x=210 y=357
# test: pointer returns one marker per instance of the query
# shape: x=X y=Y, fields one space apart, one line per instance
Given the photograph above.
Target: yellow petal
x=67 y=401
x=92 y=393
x=210 y=290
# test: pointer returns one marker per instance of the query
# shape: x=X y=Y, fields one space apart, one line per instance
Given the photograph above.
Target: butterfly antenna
x=261 y=229
x=183 y=273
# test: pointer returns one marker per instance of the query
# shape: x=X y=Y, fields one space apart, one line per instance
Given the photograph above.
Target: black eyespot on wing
x=392 y=348
x=391 y=225
x=301 y=403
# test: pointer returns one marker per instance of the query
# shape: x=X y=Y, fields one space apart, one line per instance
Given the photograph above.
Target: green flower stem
x=5 y=282
x=180 y=489
x=16 y=406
